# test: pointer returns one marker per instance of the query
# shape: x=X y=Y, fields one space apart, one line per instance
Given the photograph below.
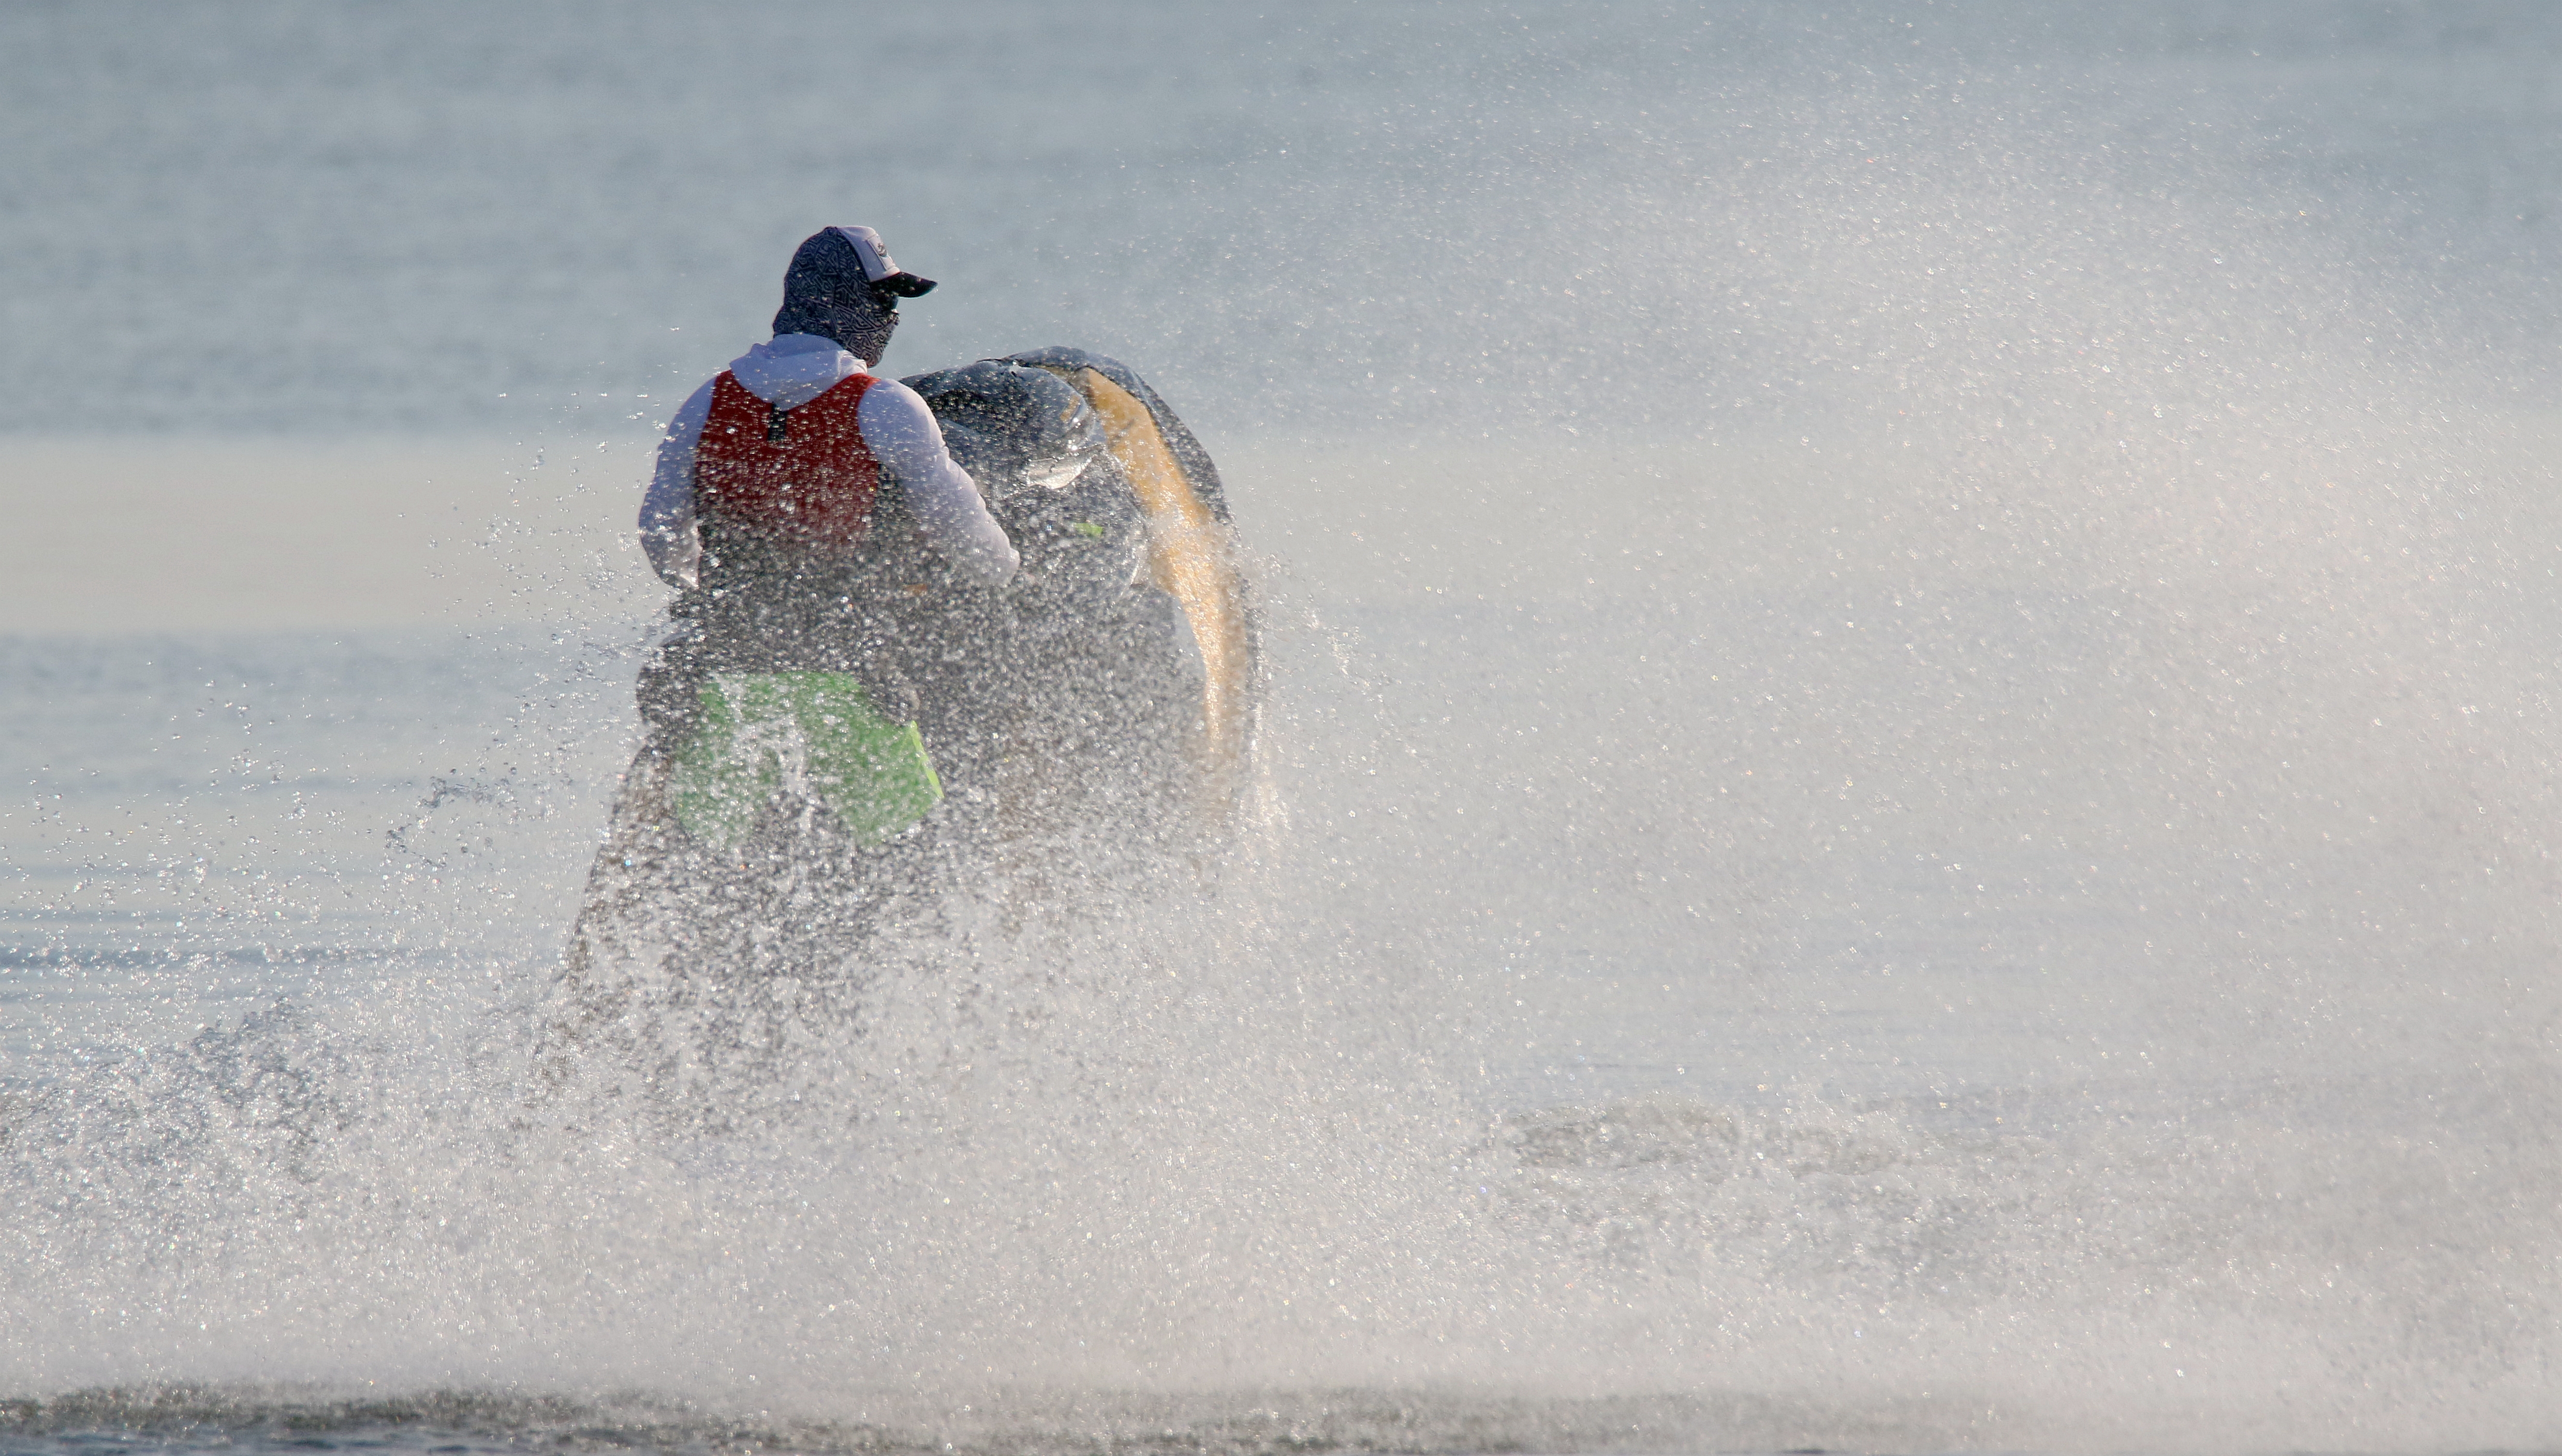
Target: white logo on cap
x=868 y=249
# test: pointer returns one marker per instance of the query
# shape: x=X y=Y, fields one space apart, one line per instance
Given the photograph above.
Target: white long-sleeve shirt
x=897 y=427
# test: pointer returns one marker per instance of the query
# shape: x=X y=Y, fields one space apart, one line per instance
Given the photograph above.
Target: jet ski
x=1091 y=722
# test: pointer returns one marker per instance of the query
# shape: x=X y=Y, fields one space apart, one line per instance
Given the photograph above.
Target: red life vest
x=798 y=476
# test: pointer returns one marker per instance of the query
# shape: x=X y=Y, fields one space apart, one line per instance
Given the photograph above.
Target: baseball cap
x=879 y=271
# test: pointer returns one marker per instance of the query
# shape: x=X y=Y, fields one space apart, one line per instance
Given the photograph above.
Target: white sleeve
x=901 y=433
x=667 y=530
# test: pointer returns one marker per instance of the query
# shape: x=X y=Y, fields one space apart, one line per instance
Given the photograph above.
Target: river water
x=1912 y=715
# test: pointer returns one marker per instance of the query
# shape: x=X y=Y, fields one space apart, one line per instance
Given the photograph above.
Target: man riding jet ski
x=981 y=629
x=1008 y=584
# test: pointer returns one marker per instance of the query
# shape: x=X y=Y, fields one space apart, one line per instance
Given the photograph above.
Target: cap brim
x=904 y=285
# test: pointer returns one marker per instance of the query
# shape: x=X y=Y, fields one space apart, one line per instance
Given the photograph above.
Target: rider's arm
x=903 y=437
x=667 y=530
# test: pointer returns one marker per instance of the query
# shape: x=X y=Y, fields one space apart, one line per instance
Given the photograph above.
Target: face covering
x=861 y=327
x=825 y=292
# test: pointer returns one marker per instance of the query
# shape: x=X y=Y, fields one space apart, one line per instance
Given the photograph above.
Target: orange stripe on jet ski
x=1188 y=555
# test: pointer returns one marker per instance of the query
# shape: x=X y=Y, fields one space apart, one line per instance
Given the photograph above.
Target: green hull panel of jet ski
x=813 y=733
